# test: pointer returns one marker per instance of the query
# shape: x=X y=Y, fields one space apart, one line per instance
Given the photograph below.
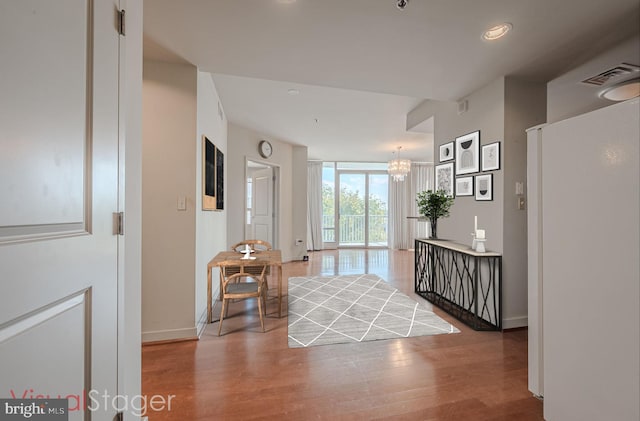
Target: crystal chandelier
x=399 y=168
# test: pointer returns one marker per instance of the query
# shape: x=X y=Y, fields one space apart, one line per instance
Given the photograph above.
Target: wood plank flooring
x=249 y=375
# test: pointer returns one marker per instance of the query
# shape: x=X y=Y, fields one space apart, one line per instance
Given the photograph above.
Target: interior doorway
x=261 y=202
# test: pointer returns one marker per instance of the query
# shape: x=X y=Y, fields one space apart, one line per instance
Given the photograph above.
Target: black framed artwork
x=445 y=178
x=208 y=174
x=464 y=186
x=491 y=156
x=212 y=176
x=219 y=179
x=467 y=153
x=446 y=152
x=484 y=187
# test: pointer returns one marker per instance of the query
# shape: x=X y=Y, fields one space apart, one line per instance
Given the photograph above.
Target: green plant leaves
x=434 y=205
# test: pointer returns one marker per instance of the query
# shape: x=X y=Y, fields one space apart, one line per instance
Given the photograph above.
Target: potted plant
x=434 y=205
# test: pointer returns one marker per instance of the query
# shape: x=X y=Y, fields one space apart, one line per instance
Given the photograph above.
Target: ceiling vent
x=620 y=70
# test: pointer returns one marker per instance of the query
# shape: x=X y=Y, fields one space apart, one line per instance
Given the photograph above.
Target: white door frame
x=276 y=198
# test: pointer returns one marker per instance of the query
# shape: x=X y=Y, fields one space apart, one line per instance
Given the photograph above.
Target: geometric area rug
x=355 y=308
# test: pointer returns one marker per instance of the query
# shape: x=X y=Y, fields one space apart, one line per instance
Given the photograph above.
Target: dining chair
x=257 y=245
x=240 y=286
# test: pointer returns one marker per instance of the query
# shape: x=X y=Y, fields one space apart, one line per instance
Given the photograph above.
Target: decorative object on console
x=467 y=151
x=433 y=206
x=473 y=234
x=484 y=187
x=480 y=239
x=446 y=152
x=445 y=178
x=491 y=156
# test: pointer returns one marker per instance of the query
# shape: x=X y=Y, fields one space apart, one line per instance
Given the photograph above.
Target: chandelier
x=399 y=168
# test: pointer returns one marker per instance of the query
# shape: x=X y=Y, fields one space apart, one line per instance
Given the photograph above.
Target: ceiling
x=360 y=66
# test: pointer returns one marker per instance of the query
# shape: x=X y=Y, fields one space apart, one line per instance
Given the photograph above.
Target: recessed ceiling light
x=497 y=31
x=293 y=91
x=622 y=91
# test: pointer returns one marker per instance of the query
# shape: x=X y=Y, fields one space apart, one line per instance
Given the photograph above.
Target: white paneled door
x=262 y=206
x=58 y=196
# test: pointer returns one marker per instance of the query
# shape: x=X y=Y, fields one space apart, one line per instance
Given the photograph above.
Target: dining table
x=224 y=259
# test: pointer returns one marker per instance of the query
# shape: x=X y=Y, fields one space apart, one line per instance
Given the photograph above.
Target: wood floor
x=249 y=375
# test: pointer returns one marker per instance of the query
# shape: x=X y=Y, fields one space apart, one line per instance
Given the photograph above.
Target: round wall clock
x=265 y=149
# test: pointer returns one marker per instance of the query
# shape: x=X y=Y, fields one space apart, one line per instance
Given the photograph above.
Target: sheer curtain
x=314 y=212
x=402 y=203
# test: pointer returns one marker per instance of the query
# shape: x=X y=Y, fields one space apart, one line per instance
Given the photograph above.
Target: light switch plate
x=182 y=203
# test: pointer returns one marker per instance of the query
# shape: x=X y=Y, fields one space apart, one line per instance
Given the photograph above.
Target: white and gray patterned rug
x=355 y=308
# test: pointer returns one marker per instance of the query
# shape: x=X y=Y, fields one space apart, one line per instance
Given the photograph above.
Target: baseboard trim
x=169 y=341
x=189 y=333
x=515 y=322
x=202 y=322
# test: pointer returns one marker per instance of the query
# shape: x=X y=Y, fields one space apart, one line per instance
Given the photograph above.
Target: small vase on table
x=434 y=228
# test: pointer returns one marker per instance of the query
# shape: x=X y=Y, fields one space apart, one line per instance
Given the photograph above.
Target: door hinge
x=118 y=223
x=121 y=27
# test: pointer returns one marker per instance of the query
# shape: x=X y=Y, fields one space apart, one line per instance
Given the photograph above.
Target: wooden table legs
x=280 y=291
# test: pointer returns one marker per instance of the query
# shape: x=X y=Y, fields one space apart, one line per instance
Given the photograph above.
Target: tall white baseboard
x=170 y=334
x=515 y=322
x=202 y=321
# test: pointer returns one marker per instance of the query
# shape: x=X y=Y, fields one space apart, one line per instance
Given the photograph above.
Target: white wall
x=211 y=227
x=525 y=106
x=591 y=244
x=168 y=168
x=299 y=207
x=242 y=145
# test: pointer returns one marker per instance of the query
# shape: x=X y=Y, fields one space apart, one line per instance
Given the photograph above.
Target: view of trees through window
x=358 y=216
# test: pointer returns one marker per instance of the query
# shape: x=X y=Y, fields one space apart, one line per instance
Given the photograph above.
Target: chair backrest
x=257 y=245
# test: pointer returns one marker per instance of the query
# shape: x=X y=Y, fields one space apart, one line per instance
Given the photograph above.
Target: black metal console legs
x=466 y=284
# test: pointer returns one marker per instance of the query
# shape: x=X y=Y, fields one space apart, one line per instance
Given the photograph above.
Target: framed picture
x=445 y=178
x=212 y=176
x=491 y=156
x=464 y=186
x=208 y=174
x=446 y=152
x=484 y=187
x=219 y=179
x=467 y=151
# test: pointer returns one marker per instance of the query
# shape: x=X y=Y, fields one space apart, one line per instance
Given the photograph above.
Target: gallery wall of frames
x=466 y=167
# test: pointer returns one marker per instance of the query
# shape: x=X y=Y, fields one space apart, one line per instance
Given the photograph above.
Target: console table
x=464 y=283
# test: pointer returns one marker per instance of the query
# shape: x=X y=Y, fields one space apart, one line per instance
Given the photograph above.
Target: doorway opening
x=261 y=201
